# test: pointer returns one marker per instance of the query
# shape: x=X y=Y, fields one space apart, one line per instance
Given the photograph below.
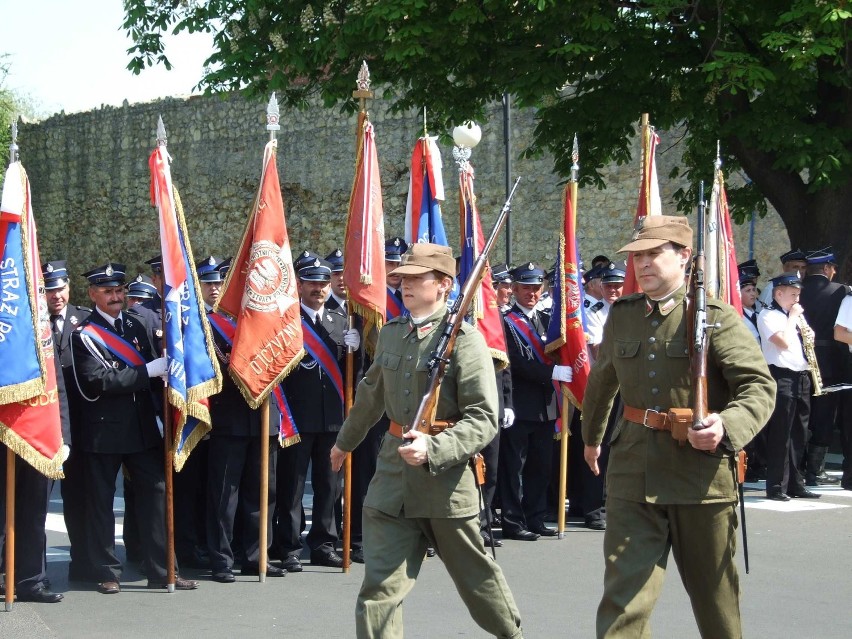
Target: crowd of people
x=111 y=359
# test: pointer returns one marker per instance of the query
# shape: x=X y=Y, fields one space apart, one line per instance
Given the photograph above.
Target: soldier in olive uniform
x=424 y=492
x=665 y=495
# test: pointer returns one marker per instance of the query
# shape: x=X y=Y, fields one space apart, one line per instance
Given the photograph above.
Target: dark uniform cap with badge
x=796 y=255
x=613 y=273
x=655 y=230
x=109 y=275
x=592 y=274
x=156 y=264
x=394 y=249
x=787 y=279
x=316 y=271
x=821 y=256
x=748 y=272
x=142 y=288
x=335 y=258
x=208 y=269
x=500 y=274
x=225 y=266
x=527 y=273
x=423 y=257
x=304 y=258
x=55 y=274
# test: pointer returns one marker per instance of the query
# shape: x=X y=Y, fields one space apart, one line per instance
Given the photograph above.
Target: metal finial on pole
x=575 y=160
x=718 y=163
x=273 y=115
x=13 y=147
x=363 y=92
x=162 y=138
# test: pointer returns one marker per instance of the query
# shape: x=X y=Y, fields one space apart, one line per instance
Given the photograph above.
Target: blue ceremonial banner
x=193 y=370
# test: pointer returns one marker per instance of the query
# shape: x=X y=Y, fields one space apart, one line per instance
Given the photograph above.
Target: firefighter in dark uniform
x=64 y=318
x=663 y=496
x=821 y=299
x=115 y=369
x=233 y=457
x=316 y=404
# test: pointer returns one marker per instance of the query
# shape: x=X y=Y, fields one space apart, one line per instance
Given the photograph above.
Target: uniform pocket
x=626 y=348
x=677 y=348
x=390 y=361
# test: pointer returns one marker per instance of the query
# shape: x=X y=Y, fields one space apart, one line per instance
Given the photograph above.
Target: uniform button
x=407 y=392
x=685 y=351
x=622 y=352
x=406 y=410
x=654 y=391
x=655 y=323
x=409 y=358
x=408 y=375
x=412 y=340
x=652 y=356
x=652 y=340
x=652 y=374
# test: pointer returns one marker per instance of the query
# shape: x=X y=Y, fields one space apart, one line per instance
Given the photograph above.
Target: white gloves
x=66 y=451
x=352 y=339
x=562 y=374
x=158 y=368
x=508 y=417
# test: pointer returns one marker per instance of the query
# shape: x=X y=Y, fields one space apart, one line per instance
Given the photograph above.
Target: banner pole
x=262 y=558
x=10 y=529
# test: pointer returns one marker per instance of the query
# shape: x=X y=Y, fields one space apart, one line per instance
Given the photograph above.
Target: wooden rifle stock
x=698 y=322
x=440 y=357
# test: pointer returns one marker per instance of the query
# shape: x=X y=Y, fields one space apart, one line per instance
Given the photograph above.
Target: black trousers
x=315 y=448
x=32 y=495
x=233 y=487
x=147 y=475
x=190 y=503
x=846 y=424
x=786 y=430
x=586 y=491
x=526 y=457
x=363 y=468
x=491 y=456
x=73 y=489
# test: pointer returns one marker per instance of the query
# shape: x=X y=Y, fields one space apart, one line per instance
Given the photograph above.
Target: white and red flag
x=260 y=293
x=364 y=247
x=30 y=423
x=721 y=271
x=649 y=196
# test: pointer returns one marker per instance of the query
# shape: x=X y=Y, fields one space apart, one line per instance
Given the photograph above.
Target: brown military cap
x=422 y=258
x=655 y=230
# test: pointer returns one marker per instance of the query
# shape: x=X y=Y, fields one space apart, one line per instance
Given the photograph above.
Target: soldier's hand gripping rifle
x=440 y=357
x=698 y=364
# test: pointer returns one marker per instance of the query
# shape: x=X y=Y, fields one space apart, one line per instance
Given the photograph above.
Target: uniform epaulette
x=400 y=319
x=629 y=298
x=83 y=308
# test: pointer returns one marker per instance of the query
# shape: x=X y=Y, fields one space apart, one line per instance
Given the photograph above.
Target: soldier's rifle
x=440 y=357
x=698 y=363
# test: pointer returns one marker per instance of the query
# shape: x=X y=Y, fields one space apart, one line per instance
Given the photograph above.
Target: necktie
x=317 y=319
x=118 y=326
x=56 y=324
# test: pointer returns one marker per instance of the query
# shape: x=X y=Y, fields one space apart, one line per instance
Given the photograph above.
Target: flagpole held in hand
x=10 y=529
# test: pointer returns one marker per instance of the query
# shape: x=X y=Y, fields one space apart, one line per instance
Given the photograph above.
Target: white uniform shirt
x=844 y=316
x=595 y=312
x=771 y=321
x=748 y=314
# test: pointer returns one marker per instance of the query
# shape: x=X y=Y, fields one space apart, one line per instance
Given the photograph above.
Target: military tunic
x=660 y=494
x=409 y=507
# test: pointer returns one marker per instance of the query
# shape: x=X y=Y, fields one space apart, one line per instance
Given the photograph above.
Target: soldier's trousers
x=637 y=542
x=394 y=548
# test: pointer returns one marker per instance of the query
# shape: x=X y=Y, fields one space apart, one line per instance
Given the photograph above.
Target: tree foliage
x=769 y=80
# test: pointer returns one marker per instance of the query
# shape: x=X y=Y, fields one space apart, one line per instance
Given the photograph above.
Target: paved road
x=799 y=586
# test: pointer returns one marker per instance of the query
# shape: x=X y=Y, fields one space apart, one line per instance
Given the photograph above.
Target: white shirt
x=747 y=314
x=595 y=312
x=844 y=316
x=771 y=321
x=312 y=313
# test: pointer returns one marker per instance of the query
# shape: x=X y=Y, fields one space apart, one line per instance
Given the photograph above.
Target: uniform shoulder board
x=158 y=333
x=83 y=308
x=597 y=306
x=629 y=298
x=586 y=303
x=400 y=319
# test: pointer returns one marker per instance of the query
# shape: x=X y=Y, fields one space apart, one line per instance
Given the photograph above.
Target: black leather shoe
x=180 y=584
x=292 y=564
x=109 y=588
x=41 y=594
x=250 y=570
x=803 y=493
x=357 y=555
x=223 y=576
x=521 y=535
x=330 y=559
x=487 y=539
x=596 y=524
x=544 y=531
x=430 y=552
x=777 y=496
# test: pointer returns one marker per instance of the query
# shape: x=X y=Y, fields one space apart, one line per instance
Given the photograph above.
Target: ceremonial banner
x=423 y=221
x=260 y=292
x=721 y=270
x=484 y=313
x=193 y=369
x=649 y=196
x=566 y=337
x=29 y=400
x=364 y=247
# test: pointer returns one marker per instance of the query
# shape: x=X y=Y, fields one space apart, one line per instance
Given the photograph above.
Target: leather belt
x=438 y=426
x=648 y=417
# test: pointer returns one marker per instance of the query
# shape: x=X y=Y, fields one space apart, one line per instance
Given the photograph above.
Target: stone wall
x=90 y=182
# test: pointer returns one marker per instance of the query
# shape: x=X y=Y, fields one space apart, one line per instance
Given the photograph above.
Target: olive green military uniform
x=408 y=508
x=661 y=495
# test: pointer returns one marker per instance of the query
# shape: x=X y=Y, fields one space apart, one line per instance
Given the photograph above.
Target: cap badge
x=138 y=278
x=637 y=228
x=109 y=272
x=316 y=262
x=49 y=268
x=396 y=242
x=530 y=266
x=211 y=261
